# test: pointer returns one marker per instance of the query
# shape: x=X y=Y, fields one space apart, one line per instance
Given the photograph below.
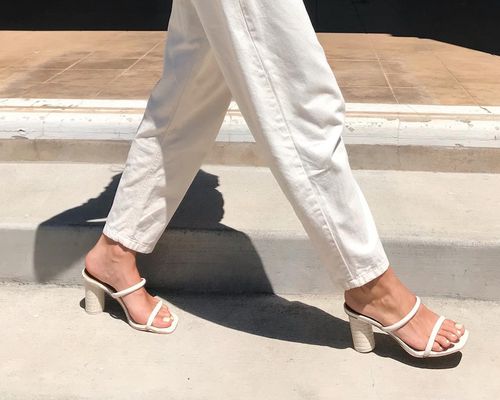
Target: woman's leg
x=278 y=74
x=182 y=119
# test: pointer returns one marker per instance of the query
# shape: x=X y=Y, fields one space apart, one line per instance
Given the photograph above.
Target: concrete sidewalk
x=262 y=347
x=370 y=68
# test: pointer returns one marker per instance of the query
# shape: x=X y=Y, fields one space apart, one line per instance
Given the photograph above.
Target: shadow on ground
x=467 y=23
x=180 y=259
x=277 y=318
x=203 y=207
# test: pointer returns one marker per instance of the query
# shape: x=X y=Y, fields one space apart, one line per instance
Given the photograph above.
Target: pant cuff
x=368 y=276
x=128 y=242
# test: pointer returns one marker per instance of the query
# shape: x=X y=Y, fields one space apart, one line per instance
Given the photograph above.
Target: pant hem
x=127 y=241
x=363 y=279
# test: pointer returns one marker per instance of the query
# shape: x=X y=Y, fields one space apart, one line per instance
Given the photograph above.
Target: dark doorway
x=466 y=23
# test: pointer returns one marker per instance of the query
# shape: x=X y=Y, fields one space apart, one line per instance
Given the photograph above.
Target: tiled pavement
x=370 y=68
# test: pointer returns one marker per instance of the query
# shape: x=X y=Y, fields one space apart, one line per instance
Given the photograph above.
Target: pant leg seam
x=287 y=128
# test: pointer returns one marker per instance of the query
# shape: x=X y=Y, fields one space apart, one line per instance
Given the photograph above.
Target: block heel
x=94 y=299
x=363 y=338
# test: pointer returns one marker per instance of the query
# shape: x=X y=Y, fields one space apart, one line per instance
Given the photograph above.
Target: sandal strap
x=153 y=314
x=404 y=321
x=433 y=335
x=129 y=290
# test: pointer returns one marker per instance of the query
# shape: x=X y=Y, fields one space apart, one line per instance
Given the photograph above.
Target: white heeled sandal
x=95 y=291
x=364 y=340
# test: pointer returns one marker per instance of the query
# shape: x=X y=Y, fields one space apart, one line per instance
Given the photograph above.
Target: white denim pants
x=265 y=55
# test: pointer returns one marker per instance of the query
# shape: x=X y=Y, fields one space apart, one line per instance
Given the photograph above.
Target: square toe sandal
x=364 y=340
x=96 y=290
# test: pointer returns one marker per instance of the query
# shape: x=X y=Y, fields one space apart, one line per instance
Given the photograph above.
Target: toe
x=450 y=332
x=460 y=329
x=442 y=342
x=452 y=337
x=164 y=318
x=437 y=347
x=448 y=324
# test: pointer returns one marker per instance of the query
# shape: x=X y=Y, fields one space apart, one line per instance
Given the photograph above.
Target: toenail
x=459 y=326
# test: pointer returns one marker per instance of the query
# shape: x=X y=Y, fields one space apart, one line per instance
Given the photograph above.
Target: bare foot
x=114 y=264
x=387 y=300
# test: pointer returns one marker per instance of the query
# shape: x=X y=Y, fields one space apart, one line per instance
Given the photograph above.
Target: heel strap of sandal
x=404 y=321
x=129 y=290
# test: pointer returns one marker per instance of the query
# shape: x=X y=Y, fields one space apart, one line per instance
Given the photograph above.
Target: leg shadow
x=171 y=267
x=73 y=232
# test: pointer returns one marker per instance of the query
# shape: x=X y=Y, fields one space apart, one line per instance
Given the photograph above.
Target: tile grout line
x=386 y=79
x=370 y=40
x=456 y=80
x=129 y=68
x=398 y=128
x=67 y=68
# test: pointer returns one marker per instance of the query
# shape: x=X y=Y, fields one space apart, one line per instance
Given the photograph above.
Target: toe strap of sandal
x=153 y=314
x=433 y=335
x=404 y=321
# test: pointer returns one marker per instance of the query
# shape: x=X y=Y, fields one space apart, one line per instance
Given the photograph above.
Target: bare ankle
x=385 y=294
x=385 y=286
x=108 y=252
x=114 y=248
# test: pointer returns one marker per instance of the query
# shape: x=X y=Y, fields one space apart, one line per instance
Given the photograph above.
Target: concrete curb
x=235 y=232
x=361 y=156
x=230 y=261
x=389 y=124
x=378 y=136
